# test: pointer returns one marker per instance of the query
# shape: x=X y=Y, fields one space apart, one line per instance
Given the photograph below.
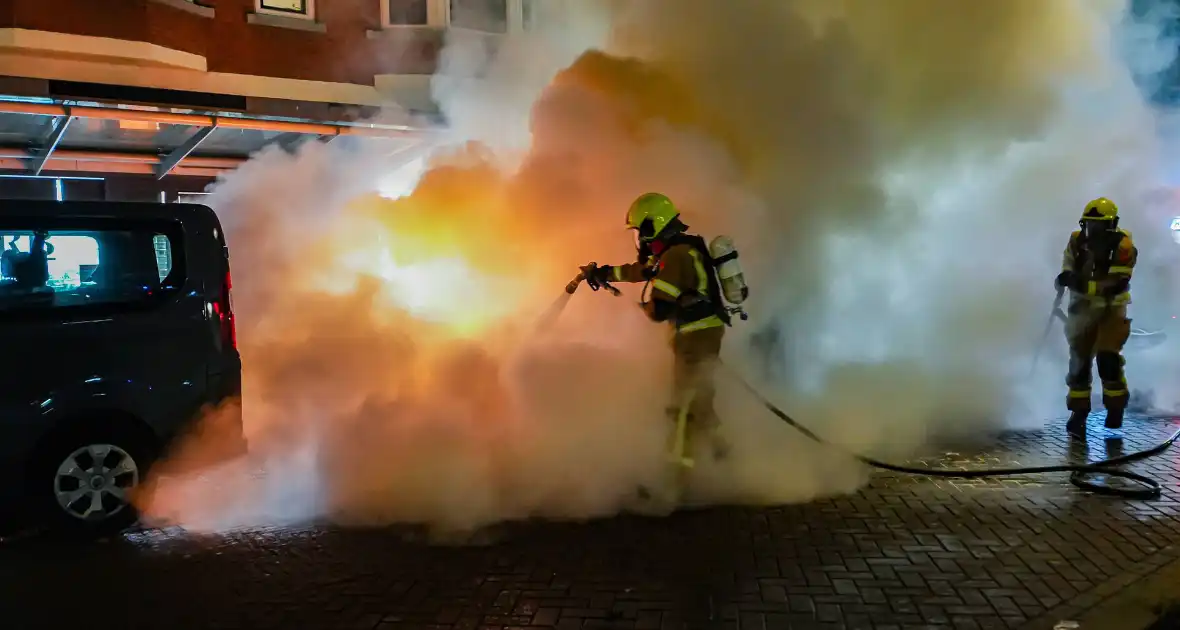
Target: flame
x=445 y=289
x=472 y=242
x=438 y=258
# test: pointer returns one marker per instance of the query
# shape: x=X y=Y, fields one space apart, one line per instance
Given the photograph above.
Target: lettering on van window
x=52 y=269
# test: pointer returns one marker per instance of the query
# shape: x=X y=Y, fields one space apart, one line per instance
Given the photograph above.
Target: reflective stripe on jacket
x=680 y=276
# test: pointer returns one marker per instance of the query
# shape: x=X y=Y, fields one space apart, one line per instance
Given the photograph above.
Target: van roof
x=185 y=212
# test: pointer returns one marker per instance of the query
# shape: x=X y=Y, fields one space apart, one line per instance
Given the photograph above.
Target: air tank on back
x=729 y=271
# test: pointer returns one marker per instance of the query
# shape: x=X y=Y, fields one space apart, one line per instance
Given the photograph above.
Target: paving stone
x=904 y=552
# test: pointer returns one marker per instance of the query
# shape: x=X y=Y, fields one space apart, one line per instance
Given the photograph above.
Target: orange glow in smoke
x=443 y=256
x=386 y=340
x=472 y=246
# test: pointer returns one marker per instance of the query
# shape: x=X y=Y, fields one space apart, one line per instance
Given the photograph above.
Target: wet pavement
x=906 y=552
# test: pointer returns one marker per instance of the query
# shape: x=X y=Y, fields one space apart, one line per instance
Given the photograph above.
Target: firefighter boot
x=1114 y=387
x=1114 y=418
x=1076 y=425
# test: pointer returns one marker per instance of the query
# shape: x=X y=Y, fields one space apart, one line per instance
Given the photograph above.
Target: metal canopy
x=171 y=160
x=41 y=154
x=86 y=137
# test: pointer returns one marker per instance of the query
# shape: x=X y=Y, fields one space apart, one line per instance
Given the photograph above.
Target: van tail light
x=224 y=308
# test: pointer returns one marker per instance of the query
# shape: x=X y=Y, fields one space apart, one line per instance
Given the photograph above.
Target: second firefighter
x=1096 y=269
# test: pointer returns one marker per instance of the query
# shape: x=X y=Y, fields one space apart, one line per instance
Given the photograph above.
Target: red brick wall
x=342 y=54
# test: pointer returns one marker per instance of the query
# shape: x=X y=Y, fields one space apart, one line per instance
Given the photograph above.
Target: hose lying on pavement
x=1079 y=473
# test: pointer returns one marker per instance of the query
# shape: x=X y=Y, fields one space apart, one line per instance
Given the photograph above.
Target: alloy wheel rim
x=94 y=482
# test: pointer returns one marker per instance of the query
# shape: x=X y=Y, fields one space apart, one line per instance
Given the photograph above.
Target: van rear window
x=62 y=268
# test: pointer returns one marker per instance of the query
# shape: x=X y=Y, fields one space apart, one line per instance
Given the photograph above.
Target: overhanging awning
x=37 y=137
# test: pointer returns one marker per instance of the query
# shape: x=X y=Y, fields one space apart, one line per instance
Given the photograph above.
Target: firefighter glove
x=1068 y=280
x=596 y=276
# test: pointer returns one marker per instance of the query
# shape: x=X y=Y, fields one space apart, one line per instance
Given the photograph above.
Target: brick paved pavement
x=904 y=553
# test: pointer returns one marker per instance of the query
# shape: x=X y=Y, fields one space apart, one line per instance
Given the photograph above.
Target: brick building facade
x=141 y=91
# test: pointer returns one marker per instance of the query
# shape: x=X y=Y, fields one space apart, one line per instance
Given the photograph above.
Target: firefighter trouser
x=1097 y=335
x=695 y=356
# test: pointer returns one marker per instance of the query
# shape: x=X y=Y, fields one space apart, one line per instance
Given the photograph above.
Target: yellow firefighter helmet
x=649 y=214
x=1101 y=209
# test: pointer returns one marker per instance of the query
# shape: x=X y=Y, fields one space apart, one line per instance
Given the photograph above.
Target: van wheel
x=83 y=481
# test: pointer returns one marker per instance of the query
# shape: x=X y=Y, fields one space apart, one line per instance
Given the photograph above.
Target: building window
x=497 y=17
x=479 y=15
x=528 y=14
x=290 y=8
x=406 y=12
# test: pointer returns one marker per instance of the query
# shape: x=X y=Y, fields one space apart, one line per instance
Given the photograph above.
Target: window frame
x=309 y=14
x=508 y=17
x=525 y=26
x=438 y=16
x=434 y=17
x=167 y=295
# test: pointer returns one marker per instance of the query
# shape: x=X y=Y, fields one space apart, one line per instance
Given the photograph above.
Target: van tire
x=129 y=456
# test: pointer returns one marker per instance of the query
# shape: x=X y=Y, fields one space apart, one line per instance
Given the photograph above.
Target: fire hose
x=1080 y=474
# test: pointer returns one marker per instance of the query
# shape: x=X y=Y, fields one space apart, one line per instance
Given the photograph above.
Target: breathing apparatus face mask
x=643 y=239
x=1098 y=232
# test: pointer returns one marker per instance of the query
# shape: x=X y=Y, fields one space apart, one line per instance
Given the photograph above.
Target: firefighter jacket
x=682 y=283
x=1103 y=275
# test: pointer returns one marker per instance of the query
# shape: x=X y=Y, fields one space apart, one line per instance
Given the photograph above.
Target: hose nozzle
x=573 y=284
x=594 y=284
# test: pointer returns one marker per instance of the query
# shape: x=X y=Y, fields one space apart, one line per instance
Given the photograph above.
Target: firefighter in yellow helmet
x=685 y=293
x=1096 y=269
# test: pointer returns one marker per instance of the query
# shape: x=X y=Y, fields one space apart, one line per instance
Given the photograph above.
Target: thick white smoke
x=901 y=178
